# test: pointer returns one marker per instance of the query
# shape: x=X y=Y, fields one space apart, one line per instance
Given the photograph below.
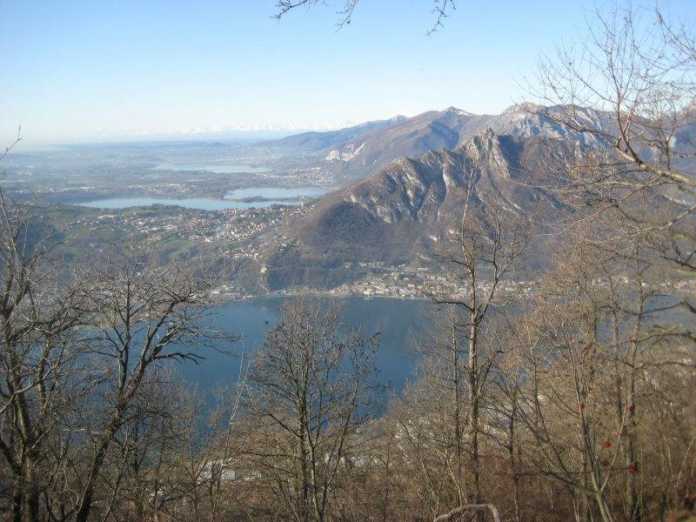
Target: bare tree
x=491 y=242
x=38 y=319
x=597 y=341
x=309 y=397
x=441 y=10
x=345 y=13
x=638 y=76
x=77 y=358
x=434 y=415
x=141 y=317
x=631 y=89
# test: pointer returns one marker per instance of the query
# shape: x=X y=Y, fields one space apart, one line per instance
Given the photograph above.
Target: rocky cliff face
x=405 y=212
x=412 y=206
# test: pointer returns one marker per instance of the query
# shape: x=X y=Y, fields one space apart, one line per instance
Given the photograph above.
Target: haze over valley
x=367 y=210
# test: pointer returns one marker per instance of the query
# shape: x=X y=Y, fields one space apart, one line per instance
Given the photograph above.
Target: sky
x=89 y=71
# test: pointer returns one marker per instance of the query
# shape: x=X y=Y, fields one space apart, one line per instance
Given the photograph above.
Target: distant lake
x=194 y=203
x=397 y=321
x=277 y=193
x=253 y=197
x=216 y=168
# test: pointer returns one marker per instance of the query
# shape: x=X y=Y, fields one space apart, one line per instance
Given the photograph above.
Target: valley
x=301 y=215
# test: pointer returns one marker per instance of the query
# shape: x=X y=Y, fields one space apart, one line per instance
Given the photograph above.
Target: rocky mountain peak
x=486 y=151
x=524 y=107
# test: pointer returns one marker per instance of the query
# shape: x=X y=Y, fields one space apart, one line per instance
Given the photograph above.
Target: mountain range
x=415 y=176
x=357 y=152
x=412 y=178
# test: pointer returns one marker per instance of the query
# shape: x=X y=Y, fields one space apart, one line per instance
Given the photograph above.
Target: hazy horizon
x=81 y=72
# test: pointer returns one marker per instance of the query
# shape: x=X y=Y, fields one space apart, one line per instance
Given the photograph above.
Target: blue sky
x=99 y=70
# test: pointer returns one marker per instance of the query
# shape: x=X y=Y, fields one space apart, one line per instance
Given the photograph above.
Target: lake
x=193 y=203
x=253 y=197
x=397 y=322
x=282 y=193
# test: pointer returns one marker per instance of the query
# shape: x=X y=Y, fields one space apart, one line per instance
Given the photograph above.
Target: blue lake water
x=193 y=203
x=276 y=192
x=267 y=197
x=397 y=322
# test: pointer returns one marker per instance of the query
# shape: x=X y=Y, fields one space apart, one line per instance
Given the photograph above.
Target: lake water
x=397 y=321
x=284 y=193
x=267 y=197
x=193 y=203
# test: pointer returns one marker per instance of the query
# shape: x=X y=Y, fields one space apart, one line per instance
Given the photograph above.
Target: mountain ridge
x=403 y=213
x=410 y=208
x=359 y=151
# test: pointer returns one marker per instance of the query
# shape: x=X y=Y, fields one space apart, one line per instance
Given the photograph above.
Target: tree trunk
x=513 y=460
x=17 y=503
x=633 y=497
x=475 y=498
x=458 y=431
x=31 y=497
x=85 y=505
